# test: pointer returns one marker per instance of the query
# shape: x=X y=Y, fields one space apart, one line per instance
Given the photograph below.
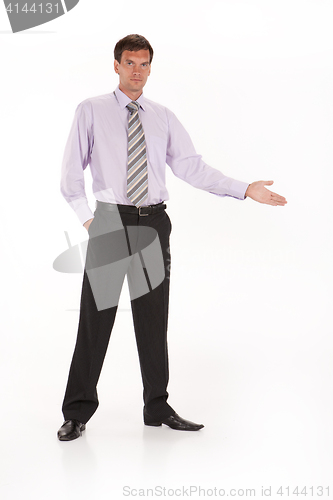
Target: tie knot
x=133 y=106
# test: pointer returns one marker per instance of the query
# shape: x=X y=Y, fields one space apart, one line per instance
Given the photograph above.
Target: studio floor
x=265 y=400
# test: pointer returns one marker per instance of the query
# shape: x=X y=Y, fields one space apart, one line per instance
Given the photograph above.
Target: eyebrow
x=130 y=60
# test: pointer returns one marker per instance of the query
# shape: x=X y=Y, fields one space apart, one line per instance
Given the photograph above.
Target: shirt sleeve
x=76 y=157
x=189 y=166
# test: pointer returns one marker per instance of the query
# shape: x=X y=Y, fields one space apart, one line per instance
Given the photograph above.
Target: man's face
x=133 y=70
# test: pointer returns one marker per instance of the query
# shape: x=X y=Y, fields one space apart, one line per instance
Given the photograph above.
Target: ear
x=116 y=66
x=149 y=69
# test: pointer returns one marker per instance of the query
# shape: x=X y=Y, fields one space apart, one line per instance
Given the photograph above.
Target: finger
x=277 y=196
x=268 y=183
x=280 y=199
x=275 y=199
x=279 y=202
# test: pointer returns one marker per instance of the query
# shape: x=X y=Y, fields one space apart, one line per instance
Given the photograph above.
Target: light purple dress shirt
x=98 y=137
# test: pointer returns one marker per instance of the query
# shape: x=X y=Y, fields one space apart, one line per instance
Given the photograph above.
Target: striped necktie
x=137 y=174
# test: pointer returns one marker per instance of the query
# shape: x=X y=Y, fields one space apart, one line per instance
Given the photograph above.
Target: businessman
x=127 y=140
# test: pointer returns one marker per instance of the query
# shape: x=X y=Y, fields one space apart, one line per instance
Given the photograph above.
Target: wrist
x=247 y=191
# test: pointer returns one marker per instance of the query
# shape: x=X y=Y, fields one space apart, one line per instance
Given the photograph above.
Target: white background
x=250 y=319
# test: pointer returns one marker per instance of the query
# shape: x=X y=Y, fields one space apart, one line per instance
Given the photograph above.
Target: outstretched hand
x=258 y=192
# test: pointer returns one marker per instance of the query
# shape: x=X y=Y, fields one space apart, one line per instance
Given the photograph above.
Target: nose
x=136 y=70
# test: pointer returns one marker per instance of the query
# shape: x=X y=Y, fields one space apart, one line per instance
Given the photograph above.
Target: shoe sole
x=157 y=424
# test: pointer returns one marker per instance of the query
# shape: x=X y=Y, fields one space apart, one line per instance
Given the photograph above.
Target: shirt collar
x=123 y=99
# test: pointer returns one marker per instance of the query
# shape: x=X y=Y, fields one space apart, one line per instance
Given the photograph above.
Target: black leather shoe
x=176 y=422
x=70 y=429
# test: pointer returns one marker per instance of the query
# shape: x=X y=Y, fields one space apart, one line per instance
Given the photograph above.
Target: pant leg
x=81 y=399
x=150 y=317
x=94 y=329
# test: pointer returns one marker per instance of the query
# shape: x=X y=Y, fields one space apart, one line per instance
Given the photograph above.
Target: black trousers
x=150 y=318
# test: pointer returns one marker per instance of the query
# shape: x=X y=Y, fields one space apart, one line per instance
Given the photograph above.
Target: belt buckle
x=142 y=215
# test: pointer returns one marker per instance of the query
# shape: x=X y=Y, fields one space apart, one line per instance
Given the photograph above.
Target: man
x=127 y=140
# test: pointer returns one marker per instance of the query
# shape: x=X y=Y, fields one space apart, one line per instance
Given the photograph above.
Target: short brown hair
x=132 y=43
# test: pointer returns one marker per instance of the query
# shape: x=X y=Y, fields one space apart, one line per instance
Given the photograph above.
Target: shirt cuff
x=82 y=210
x=238 y=189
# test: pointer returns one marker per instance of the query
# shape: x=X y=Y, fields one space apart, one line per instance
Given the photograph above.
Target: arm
x=189 y=166
x=75 y=160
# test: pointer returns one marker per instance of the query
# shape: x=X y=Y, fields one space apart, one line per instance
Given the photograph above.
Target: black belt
x=129 y=209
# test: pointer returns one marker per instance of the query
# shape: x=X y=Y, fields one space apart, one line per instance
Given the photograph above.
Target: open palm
x=258 y=192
